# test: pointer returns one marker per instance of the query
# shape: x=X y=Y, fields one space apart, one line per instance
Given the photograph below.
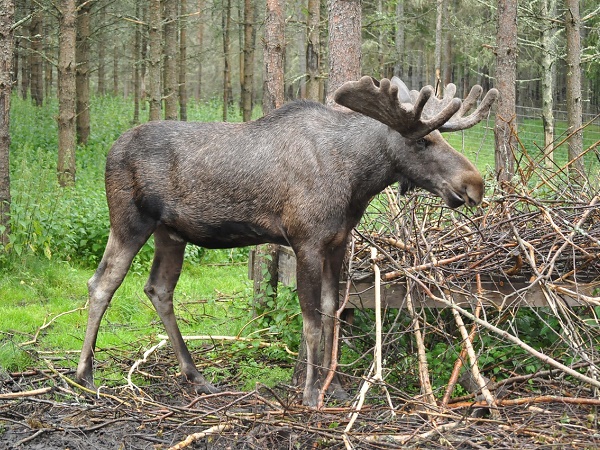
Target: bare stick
x=11 y=395
x=197 y=436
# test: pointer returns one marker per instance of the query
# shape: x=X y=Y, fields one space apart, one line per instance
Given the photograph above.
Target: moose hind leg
x=166 y=268
x=106 y=280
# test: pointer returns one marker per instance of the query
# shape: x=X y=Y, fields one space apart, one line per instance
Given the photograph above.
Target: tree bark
x=137 y=61
x=438 y=46
x=200 y=38
x=35 y=57
x=7 y=11
x=548 y=43
x=170 y=60
x=154 y=32
x=66 y=93
x=101 y=80
x=399 y=41
x=506 y=71
x=274 y=51
x=313 y=51
x=574 y=104
x=183 y=60
x=83 y=72
x=226 y=25
x=115 y=86
x=248 y=63
x=344 y=44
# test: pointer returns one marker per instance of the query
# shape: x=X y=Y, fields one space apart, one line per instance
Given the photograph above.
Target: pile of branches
x=539 y=237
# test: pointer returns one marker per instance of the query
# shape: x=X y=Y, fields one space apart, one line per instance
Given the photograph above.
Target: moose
x=301 y=176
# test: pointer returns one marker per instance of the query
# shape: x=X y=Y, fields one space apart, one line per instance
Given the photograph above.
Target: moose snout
x=466 y=190
x=473 y=189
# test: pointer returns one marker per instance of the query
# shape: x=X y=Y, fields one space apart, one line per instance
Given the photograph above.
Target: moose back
x=301 y=176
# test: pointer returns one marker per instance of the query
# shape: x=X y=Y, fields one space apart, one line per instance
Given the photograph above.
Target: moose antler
x=413 y=114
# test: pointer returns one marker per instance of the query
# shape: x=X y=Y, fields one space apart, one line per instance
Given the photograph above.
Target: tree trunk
x=248 y=63
x=66 y=93
x=548 y=43
x=399 y=41
x=506 y=70
x=182 y=60
x=574 y=104
x=7 y=11
x=438 y=46
x=274 y=51
x=25 y=53
x=137 y=61
x=154 y=32
x=83 y=72
x=344 y=44
x=226 y=25
x=35 y=57
x=101 y=82
x=115 y=84
x=170 y=60
x=313 y=51
x=200 y=38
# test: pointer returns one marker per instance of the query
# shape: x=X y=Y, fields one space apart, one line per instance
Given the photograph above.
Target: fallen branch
x=12 y=395
x=529 y=400
x=197 y=436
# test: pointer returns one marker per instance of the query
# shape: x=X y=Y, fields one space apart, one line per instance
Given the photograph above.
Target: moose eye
x=421 y=143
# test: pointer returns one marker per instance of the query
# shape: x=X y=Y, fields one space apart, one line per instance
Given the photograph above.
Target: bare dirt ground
x=49 y=413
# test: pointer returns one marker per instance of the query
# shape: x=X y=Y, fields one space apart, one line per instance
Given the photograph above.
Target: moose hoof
x=201 y=386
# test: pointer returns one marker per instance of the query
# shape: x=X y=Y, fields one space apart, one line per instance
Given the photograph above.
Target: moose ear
x=403 y=91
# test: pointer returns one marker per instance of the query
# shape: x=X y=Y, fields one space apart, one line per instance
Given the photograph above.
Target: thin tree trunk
x=115 y=87
x=313 y=51
x=226 y=24
x=143 y=58
x=66 y=93
x=548 y=42
x=274 y=51
x=170 y=60
x=574 y=104
x=248 y=63
x=200 y=38
x=440 y=9
x=344 y=44
x=35 y=57
x=83 y=72
x=101 y=82
x=506 y=70
x=154 y=33
x=183 y=60
x=399 y=41
x=7 y=11
x=137 y=61
x=25 y=52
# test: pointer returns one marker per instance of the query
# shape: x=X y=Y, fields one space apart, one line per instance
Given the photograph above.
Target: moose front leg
x=309 y=276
